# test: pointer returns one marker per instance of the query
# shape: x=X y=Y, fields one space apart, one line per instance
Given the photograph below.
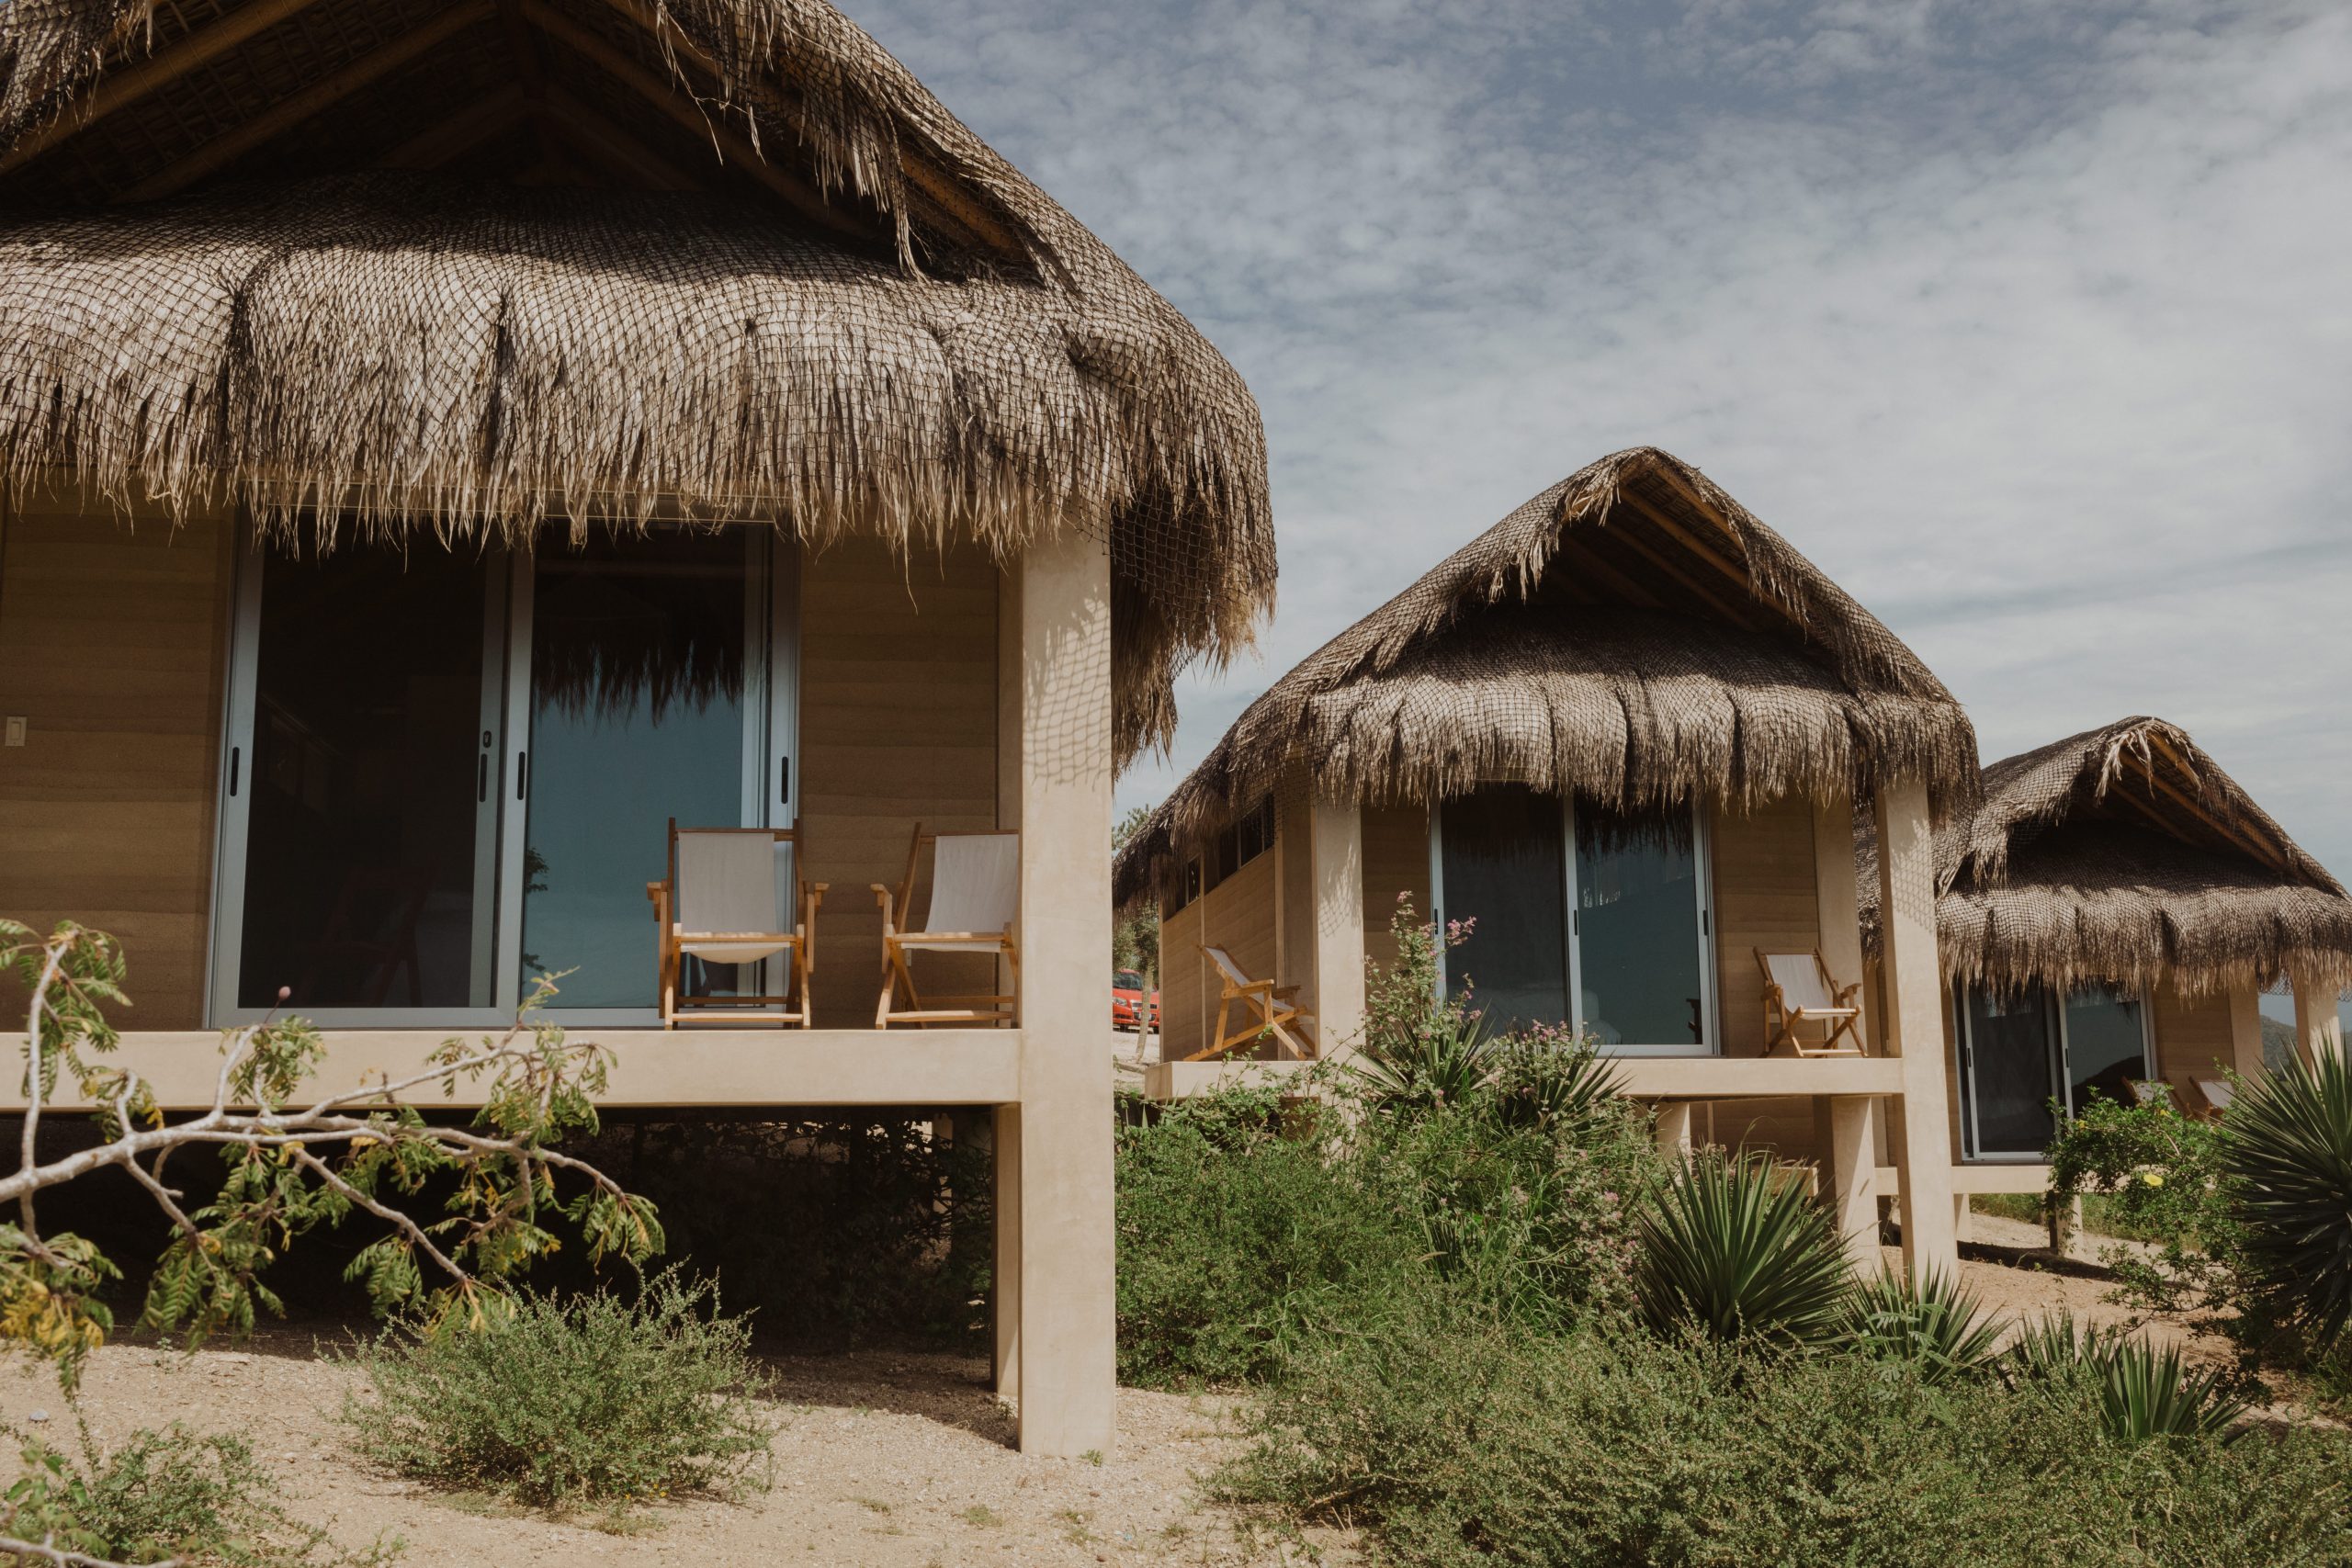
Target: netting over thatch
x=1631 y=635
x=2125 y=855
x=468 y=268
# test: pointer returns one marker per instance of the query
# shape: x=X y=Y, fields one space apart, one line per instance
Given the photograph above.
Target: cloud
x=2027 y=322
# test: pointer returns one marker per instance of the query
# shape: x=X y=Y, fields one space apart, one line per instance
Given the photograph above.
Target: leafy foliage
x=1420 y=1050
x=175 y=1494
x=2141 y=1391
x=2155 y=1174
x=2286 y=1155
x=555 y=1402
x=1736 y=1254
x=292 y=1167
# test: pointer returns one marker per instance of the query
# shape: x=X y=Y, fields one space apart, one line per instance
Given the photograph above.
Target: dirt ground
x=892 y=1461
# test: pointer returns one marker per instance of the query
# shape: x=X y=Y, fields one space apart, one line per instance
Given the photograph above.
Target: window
x=1572 y=904
x=2022 y=1054
x=445 y=772
x=1255 y=834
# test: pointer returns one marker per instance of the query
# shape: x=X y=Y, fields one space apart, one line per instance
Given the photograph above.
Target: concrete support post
x=2318 y=1031
x=1852 y=1165
x=1913 y=1024
x=1004 y=1351
x=1674 y=1129
x=1066 y=1351
x=2245 y=1031
x=1963 y=1223
x=1338 y=853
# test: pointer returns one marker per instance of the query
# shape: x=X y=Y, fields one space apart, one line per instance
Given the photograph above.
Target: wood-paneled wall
x=897 y=726
x=1239 y=915
x=112 y=640
x=2192 y=1036
x=1182 y=994
x=1395 y=860
x=1764 y=898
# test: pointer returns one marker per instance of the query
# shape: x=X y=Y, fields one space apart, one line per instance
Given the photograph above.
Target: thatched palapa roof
x=2125 y=855
x=467 y=266
x=1632 y=634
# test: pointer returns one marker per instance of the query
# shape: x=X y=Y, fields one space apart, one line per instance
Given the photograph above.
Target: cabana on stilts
x=1624 y=731
x=2109 y=916
x=444 y=441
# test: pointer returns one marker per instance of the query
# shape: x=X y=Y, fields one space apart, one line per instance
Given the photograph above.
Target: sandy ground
x=890 y=1459
x=896 y=1461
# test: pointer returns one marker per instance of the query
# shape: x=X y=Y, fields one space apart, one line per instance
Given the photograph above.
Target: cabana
x=1623 y=730
x=2109 y=918
x=445 y=440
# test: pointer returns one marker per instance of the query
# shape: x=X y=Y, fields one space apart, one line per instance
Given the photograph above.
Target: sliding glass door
x=447 y=774
x=2028 y=1057
x=1579 y=917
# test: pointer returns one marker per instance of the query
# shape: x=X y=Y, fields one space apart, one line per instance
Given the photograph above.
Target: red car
x=1127 y=1000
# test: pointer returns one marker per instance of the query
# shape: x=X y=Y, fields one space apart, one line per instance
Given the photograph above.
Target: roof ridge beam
x=135 y=82
x=324 y=93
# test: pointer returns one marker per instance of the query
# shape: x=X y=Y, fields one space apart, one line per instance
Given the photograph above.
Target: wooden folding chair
x=1798 y=991
x=1267 y=1009
x=719 y=904
x=974 y=900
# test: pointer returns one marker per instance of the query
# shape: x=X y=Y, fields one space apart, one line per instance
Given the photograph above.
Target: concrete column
x=1005 y=1316
x=1913 y=1024
x=1338 y=851
x=1850 y=1162
x=1674 y=1129
x=1066 y=1352
x=2318 y=1031
x=2245 y=1031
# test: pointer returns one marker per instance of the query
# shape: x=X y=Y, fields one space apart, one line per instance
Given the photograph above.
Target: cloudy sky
x=2030 y=324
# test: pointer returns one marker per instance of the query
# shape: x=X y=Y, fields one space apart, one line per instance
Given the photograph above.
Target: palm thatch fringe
x=2124 y=855
x=1504 y=664
x=414 y=356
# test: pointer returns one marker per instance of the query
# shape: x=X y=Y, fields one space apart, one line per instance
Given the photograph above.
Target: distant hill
x=2278 y=1043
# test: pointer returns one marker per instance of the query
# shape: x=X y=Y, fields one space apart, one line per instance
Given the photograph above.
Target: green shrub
x=1460 y=1442
x=2287 y=1160
x=583 y=1399
x=2139 y=1391
x=1938 y=1326
x=2149 y=1174
x=177 y=1493
x=1729 y=1250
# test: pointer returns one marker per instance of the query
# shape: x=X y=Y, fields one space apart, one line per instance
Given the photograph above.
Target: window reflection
x=1637 y=929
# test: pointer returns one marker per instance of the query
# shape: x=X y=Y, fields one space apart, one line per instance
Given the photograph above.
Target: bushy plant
x=176 y=1494
x=2156 y=1176
x=1937 y=1325
x=1729 y=1250
x=560 y=1401
x=2139 y=1391
x=1464 y=1443
x=1419 y=1049
x=2286 y=1155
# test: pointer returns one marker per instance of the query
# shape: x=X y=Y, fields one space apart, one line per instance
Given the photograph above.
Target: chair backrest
x=975 y=882
x=1224 y=961
x=1799 y=976
x=728 y=881
x=2217 y=1092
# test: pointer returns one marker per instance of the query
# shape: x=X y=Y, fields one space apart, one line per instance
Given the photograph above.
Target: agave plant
x=1548 y=1079
x=1727 y=1249
x=1938 y=1324
x=2142 y=1391
x=2286 y=1162
x=1439 y=1062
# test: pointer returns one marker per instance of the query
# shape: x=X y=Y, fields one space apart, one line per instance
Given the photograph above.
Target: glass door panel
x=638 y=696
x=2008 y=1044
x=366 y=783
x=1501 y=865
x=1639 y=941
x=2107 y=1046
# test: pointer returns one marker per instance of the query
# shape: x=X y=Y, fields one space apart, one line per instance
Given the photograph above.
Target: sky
x=2030 y=323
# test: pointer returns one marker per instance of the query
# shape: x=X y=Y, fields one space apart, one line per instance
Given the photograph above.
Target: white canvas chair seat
x=731 y=898
x=1799 y=992
x=975 y=903
x=1267 y=1010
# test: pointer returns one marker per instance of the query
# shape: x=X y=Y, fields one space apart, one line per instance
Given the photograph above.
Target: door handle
x=236 y=754
x=521 y=771
x=784 y=777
